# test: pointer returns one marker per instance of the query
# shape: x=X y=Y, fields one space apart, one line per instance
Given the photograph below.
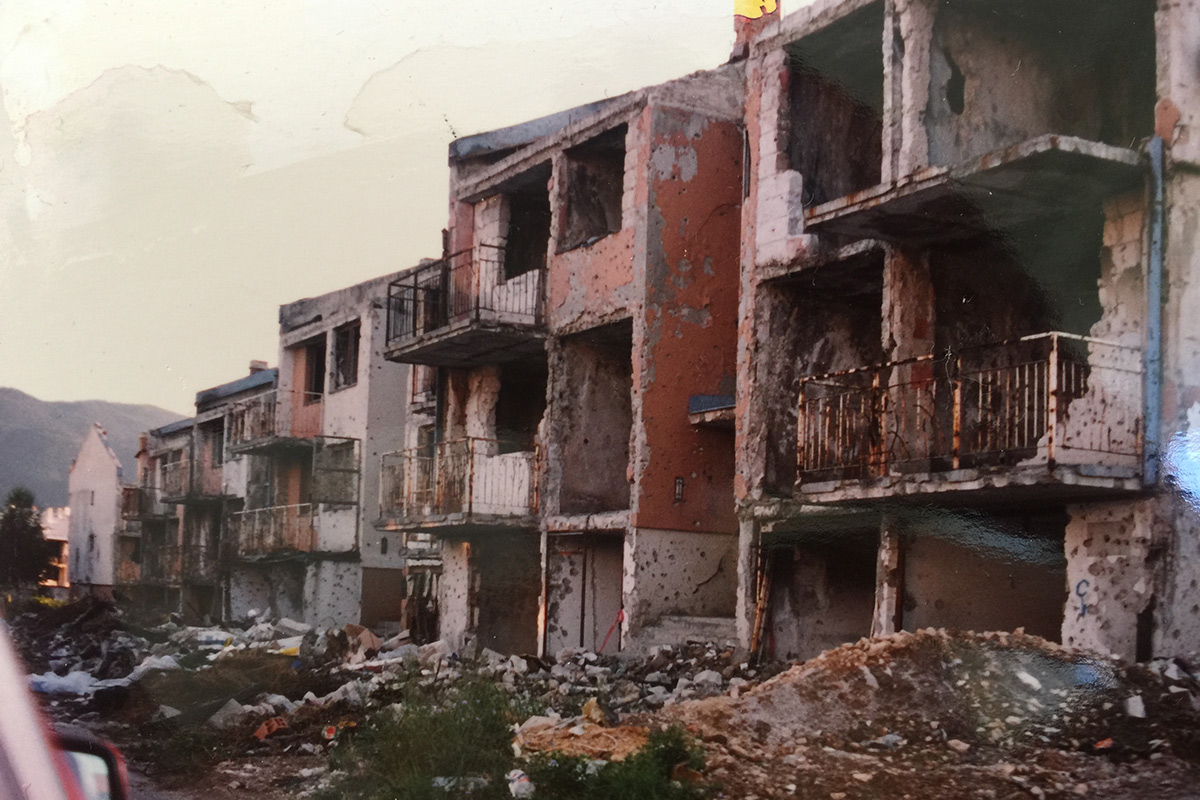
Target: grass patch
x=465 y=733
x=464 y=736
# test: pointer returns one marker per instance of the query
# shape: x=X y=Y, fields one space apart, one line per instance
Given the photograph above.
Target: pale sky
x=171 y=172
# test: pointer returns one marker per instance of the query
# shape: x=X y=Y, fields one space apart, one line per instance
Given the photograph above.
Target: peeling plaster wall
x=332 y=593
x=273 y=590
x=682 y=573
x=821 y=597
x=1110 y=576
x=690 y=318
x=591 y=386
x=966 y=583
x=1019 y=77
x=595 y=283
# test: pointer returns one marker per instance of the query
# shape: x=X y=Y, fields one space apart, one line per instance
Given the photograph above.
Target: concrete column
x=889 y=579
x=916 y=19
x=484 y=392
x=908 y=306
x=749 y=537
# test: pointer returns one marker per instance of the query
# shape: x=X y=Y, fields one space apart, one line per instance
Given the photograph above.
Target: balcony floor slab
x=1062 y=483
x=1042 y=178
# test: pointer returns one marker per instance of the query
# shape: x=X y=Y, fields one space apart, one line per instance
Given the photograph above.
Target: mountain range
x=39 y=439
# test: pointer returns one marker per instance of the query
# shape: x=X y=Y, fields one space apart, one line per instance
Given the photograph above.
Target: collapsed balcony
x=1053 y=410
x=465 y=310
x=276 y=529
x=469 y=481
x=273 y=421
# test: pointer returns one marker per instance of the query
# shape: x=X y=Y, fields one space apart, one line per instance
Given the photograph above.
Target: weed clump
x=463 y=738
x=667 y=768
x=459 y=744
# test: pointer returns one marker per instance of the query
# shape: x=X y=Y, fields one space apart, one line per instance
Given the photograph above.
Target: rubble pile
x=933 y=713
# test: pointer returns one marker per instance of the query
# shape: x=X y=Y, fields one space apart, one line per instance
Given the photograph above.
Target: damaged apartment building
x=264 y=501
x=302 y=545
x=588 y=289
x=188 y=484
x=881 y=325
x=968 y=348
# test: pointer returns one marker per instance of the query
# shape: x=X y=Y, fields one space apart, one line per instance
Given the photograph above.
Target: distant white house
x=56 y=527
x=95 y=516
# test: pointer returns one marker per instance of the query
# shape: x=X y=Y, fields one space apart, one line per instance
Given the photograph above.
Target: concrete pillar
x=483 y=394
x=749 y=538
x=889 y=579
x=908 y=306
x=915 y=19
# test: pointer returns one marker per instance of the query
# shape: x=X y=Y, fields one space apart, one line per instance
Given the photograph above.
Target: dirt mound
x=938 y=706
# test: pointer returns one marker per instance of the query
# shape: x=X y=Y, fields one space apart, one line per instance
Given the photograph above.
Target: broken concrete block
x=1135 y=706
x=291 y=627
x=430 y=655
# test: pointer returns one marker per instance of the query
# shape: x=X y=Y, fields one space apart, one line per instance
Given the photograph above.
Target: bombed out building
x=589 y=288
x=882 y=325
x=968 y=253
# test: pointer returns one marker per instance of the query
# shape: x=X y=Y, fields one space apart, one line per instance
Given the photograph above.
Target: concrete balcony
x=1052 y=414
x=470 y=482
x=274 y=421
x=277 y=529
x=140 y=503
x=465 y=311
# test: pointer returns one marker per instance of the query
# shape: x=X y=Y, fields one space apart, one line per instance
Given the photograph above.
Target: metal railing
x=463 y=287
x=261 y=531
x=161 y=564
x=276 y=414
x=1051 y=398
x=461 y=476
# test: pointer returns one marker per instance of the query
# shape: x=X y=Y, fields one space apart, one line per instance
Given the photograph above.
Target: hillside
x=38 y=439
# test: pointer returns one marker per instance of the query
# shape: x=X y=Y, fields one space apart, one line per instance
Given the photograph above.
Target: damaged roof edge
x=710 y=95
x=266 y=377
x=523 y=133
x=804 y=21
x=173 y=427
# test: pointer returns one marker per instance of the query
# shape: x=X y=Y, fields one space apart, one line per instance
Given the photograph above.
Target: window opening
x=345 y=355
x=595 y=182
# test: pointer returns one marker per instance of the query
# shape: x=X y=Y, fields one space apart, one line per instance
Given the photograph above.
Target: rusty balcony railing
x=272 y=416
x=468 y=286
x=161 y=565
x=469 y=476
x=1048 y=399
x=262 y=531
